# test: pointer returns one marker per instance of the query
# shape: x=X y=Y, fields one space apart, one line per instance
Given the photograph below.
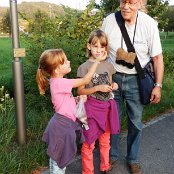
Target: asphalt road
x=157 y=150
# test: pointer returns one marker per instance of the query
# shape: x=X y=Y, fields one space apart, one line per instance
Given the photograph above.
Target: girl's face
x=64 y=68
x=97 y=50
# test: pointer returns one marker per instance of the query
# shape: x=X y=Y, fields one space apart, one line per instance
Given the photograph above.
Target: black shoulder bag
x=145 y=75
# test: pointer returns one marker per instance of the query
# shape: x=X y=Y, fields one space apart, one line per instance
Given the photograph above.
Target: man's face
x=129 y=9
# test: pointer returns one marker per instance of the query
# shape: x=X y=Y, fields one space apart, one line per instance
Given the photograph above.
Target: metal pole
x=18 y=77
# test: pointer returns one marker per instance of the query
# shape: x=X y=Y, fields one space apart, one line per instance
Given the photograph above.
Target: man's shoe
x=135 y=168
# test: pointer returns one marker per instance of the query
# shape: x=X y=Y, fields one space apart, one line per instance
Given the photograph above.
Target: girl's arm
x=88 y=91
x=87 y=78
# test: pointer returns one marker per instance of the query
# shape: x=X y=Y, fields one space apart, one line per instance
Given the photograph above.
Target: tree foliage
x=169 y=15
x=155 y=8
x=6 y=23
x=40 y=23
x=109 y=6
x=69 y=32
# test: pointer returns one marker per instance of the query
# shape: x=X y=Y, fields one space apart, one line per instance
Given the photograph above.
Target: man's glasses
x=131 y=4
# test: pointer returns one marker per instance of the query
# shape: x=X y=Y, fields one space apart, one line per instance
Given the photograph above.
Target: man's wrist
x=158 y=85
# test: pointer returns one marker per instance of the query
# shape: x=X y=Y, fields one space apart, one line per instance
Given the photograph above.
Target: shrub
x=69 y=32
x=169 y=61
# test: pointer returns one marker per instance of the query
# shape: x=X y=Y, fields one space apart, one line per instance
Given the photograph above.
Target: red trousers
x=87 y=154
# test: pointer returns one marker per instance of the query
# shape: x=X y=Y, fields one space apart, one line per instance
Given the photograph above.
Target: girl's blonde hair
x=95 y=36
x=48 y=62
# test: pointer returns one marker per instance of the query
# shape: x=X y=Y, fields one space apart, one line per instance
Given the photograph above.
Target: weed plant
x=21 y=159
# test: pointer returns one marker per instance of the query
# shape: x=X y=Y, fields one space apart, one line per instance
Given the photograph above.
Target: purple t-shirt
x=62 y=98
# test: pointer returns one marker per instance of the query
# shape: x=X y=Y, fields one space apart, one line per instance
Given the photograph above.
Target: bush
x=69 y=32
x=169 y=61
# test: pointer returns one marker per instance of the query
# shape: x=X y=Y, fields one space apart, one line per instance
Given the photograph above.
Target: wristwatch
x=158 y=84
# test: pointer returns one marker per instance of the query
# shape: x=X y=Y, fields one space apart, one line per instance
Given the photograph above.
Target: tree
x=40 y=23
x=155 y=8
x=1 y=29
x=169 y=15
x=6 y=23
x=69 y=32
x=109 y=6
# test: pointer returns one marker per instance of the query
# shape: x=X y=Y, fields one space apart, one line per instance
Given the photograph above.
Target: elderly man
x=144 y=35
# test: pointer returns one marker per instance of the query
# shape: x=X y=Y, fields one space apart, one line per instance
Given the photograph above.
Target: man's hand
x=156 y=95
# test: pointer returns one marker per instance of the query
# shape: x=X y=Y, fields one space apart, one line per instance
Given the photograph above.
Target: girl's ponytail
x=48 y=62
x=42 y=81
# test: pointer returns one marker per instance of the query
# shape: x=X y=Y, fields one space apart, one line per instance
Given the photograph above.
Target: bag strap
x=130 y=47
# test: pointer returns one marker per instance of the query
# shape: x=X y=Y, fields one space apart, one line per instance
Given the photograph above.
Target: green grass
x=6 y=63
x=167 y=40
x=23 y=159
x=166 y=104
x=6 y=59
x=14 y=158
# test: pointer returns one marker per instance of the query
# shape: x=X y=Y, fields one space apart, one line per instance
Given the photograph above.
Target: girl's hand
x=102 y=57
x=103 y=88
x=83 y=97
x=114 y=86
